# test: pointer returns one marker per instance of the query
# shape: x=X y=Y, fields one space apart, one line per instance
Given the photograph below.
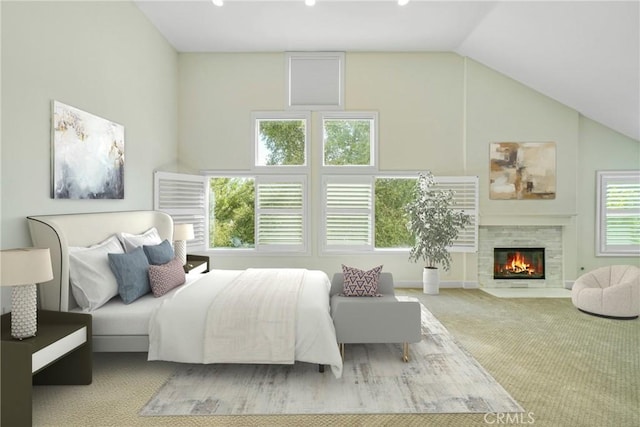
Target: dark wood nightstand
x=196 y=264
x=60 y=353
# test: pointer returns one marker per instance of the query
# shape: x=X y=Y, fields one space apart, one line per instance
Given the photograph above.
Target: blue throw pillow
x=132 y=274
x=159 y=254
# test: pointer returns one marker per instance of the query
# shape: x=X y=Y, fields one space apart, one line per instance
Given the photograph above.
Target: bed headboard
x=59 y=232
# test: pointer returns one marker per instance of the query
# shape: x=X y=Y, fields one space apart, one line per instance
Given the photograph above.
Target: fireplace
x=518 y=263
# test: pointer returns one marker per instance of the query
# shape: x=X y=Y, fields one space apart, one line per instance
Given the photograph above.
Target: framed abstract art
x=87 y=155
x=522 y=170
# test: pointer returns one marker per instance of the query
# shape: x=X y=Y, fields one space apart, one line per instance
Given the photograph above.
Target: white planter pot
x=431 y=281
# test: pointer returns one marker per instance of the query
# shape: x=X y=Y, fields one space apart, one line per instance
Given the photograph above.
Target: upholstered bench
x=369 y=320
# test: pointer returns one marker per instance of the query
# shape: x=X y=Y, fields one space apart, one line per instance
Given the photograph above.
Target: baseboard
x=446 y=284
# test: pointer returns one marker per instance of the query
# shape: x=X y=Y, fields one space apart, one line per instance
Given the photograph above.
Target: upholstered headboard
x=59 y=232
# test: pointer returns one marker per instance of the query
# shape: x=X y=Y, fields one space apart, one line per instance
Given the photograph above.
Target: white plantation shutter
x=618 y=222
x=348 y=212
x=465 y=190
x=280 y=213
x=184 y=197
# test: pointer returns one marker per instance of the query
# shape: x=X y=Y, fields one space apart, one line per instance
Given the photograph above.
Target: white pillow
x=92 y=281
x=132 y=241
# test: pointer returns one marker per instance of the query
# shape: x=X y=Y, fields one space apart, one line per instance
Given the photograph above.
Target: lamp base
x=24 y=311
x=180 y=248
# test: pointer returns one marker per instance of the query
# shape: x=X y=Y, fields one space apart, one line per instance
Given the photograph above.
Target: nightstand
x=60 y=353
x=196 y=264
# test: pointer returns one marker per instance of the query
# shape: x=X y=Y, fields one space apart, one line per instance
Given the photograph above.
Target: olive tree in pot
x=434 y=226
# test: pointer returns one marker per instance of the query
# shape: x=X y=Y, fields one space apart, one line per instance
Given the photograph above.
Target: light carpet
x=528 y=292
x=440 y=377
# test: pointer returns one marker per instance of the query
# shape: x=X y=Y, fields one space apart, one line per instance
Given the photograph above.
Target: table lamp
x=182 y=233
x=22 y=269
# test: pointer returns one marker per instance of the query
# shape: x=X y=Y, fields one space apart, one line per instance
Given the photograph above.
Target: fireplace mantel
x=526 y=220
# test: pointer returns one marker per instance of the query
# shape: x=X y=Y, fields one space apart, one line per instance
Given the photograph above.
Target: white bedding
x=253 y=320
x=176 y=326
x=118 y=318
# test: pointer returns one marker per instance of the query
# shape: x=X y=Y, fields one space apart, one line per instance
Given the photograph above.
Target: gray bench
x=368 y=320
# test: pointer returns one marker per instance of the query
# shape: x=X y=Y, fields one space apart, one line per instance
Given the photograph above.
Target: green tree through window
x=283 y=141
x=391 y=196
x=232 y=221
x=347 y=142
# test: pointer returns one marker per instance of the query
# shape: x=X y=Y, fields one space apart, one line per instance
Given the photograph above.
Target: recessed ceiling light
x=403 y=2
x=309 y=2
x=218 y=2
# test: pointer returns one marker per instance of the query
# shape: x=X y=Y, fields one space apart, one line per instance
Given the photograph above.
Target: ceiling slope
x=584 y=54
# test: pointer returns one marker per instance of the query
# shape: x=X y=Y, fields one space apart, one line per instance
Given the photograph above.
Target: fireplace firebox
x=518 y=263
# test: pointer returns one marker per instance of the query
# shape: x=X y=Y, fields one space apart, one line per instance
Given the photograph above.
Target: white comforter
x=177 y=326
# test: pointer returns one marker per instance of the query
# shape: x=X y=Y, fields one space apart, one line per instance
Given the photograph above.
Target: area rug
x=440 y=377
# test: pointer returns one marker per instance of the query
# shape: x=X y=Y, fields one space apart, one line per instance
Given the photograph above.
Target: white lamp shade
x=183 y=232
x=25 y=266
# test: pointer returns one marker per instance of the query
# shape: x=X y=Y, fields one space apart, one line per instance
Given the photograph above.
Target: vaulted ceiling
x=584 y=54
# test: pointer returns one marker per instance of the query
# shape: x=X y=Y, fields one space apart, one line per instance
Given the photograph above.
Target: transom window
x=280 y=139
x=349 y=139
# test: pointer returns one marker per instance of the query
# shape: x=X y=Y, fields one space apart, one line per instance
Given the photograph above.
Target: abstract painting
x=522 y=170
x=88 y=155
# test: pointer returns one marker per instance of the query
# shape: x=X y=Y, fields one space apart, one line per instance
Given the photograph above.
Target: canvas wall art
x=88 y=155
x=522 y=170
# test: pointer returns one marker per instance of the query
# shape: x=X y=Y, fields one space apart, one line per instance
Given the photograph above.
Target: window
x=232 y=213
x=391 y=196
x=280 y=139
x=366 y=213
x=349 y=139
x=261 y=213
x=618 y=213
x=348 y=213
x=183 y=197
x=281 y=213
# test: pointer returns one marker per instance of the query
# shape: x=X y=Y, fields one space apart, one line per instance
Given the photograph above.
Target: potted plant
x=434 y=226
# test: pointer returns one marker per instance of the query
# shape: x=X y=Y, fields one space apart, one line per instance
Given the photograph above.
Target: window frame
x=303 y=211
x=256 y=117
x=186 y=199
x=373 y=149
x=263 y=250
x=603 y=178
x=326 y=248
x=443 y=181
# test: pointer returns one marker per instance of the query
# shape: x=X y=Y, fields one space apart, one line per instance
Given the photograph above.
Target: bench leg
x=405 y=352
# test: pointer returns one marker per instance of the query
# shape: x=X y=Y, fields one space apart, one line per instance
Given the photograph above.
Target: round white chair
x=612 y=291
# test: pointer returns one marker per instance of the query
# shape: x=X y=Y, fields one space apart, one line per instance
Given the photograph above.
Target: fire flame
x=518 y=264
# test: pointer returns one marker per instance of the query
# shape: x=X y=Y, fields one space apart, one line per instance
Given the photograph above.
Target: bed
x=157 y=325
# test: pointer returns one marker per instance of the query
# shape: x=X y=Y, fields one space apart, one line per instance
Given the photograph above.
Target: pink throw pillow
x=360 y=283
x=165 y=277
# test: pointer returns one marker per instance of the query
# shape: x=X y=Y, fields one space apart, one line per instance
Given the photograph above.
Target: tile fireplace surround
x=549 y=237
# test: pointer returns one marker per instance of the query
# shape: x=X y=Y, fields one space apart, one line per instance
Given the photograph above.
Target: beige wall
x=418 y=97
x=437 y=111
x=102 y=57
x=600 y=148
